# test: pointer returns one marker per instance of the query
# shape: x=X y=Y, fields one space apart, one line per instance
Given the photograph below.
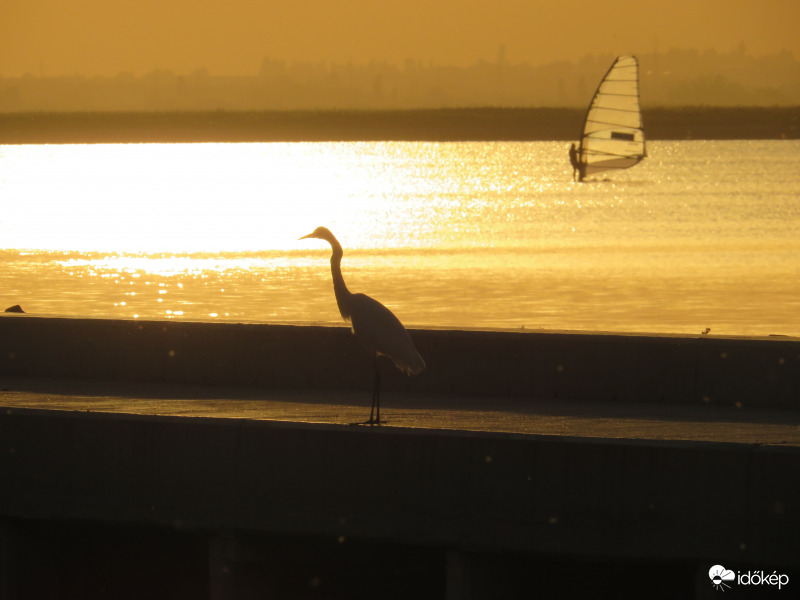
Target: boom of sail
x=613 y=136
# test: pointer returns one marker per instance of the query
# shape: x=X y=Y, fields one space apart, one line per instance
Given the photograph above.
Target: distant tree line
x=447 y=124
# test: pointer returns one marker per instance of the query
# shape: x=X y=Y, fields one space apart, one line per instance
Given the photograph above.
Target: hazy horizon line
x=739 y=51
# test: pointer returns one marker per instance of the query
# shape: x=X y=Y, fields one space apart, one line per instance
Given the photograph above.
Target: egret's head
x=320 y=233
x=323 y=233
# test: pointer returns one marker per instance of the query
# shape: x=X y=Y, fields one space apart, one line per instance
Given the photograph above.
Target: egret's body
x=374 y=325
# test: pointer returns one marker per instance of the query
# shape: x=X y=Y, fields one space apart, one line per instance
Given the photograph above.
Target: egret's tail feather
x=411 y=366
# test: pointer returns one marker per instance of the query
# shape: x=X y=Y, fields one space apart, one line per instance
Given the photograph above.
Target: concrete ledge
x=239 y=481
x=553 y=495
x=582 y=366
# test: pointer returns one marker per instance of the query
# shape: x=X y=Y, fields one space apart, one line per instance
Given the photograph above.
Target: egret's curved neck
x=339 y=287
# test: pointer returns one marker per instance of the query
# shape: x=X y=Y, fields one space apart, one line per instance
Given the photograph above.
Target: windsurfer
x=573 y=159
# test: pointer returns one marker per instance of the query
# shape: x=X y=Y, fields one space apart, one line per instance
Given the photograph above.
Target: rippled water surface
x=700 y=235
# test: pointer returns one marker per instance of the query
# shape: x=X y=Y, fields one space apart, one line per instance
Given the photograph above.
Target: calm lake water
x=702 y=234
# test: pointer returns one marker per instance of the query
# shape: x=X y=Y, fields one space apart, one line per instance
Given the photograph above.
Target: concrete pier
x=519 y=463
x=516 y=363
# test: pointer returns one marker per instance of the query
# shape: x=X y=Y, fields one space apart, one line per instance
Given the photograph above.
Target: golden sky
x=105 y=37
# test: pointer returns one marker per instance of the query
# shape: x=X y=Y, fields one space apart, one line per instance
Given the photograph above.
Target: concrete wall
x=584 y=366
x=79 y=490
x=615 y=499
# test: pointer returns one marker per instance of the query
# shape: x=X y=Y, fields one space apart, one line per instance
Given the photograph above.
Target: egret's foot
x=370 y=422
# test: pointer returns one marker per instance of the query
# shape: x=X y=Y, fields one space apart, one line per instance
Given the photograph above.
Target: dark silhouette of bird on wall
x=374 y=325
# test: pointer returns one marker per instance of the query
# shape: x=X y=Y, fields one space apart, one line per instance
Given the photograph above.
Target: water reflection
x=229 y=197
x=478 y=234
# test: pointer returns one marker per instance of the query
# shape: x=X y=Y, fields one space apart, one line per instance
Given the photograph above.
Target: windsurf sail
x=613 y=136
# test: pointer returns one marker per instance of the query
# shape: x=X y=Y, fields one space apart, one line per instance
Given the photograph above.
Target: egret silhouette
x=374 y=325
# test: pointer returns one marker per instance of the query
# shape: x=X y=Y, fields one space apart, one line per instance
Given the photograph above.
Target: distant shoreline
x=459 y=124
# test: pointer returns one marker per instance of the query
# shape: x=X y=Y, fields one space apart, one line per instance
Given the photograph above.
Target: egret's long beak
x=306 y=236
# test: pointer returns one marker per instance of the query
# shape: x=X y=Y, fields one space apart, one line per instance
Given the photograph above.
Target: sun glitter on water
x=149 y=198
x=472 y=234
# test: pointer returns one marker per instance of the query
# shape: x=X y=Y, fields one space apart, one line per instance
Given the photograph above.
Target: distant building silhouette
x=675 y=77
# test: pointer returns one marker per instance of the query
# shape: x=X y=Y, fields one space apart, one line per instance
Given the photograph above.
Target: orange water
x=700 y=235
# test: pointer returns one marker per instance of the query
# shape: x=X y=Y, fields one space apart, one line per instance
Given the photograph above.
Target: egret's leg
x=376 y=394
x=375 y=410
x=372 y=409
